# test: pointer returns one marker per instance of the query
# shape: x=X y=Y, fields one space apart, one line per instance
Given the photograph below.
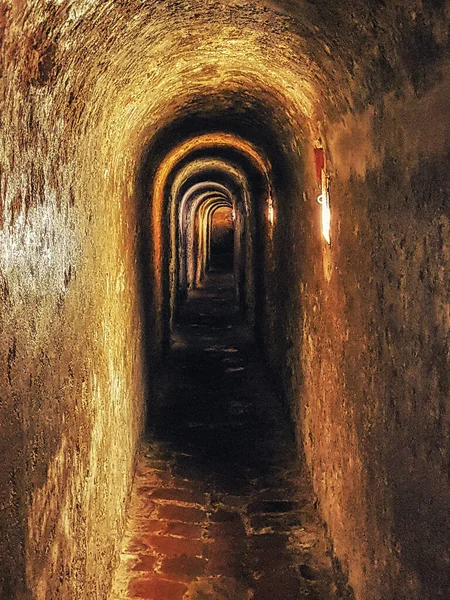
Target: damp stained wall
x=364 y=349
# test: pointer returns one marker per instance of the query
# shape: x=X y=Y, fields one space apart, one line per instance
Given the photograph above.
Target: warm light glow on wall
x=270 y=211
x=323 y=199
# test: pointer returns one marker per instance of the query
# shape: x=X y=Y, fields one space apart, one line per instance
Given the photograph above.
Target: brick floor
x=221 y=507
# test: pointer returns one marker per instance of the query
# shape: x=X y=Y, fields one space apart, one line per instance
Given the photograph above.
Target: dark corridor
x=221 y=508
x=222 y=239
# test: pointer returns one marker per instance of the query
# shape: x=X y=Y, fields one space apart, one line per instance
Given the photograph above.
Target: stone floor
x=221 y=509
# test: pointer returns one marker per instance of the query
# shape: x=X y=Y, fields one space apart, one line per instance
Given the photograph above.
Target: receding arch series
x=190 y=180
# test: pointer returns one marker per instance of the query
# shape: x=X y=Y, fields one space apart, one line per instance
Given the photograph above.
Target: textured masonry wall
x=71 y=370
x=375 y=356
x=365 y=337
x=70 y=358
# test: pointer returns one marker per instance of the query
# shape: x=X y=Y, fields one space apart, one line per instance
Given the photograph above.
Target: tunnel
x=224 y=300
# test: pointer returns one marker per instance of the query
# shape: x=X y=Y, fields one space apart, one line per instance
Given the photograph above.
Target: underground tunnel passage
x=272 y=422
x=221 y=505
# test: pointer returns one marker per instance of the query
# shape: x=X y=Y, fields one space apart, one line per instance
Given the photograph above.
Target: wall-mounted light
x=233 y=214
x=270 y=211
x=323 y=199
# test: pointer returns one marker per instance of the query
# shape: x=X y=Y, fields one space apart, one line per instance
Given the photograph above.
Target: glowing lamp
x=323 y=199
x=270 y=211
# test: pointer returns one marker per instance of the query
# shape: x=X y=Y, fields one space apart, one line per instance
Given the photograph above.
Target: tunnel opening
x=222 y=239
x=218 y=421
x=262 y=177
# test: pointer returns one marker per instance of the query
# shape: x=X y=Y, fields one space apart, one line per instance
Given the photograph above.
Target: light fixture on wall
x=270 y=211
x=323 y=199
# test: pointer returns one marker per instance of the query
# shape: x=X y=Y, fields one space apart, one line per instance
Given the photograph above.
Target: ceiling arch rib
x=194 y=199
x=208 y=142
x=196 y=192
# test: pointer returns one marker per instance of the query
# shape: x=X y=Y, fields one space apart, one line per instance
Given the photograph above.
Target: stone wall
x=363 y=353
x=72 y=395
x=375 y=348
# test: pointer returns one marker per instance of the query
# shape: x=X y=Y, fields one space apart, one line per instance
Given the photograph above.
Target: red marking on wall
x=320 y=162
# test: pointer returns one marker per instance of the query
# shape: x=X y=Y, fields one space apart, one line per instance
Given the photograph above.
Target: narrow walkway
x=220 y=509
